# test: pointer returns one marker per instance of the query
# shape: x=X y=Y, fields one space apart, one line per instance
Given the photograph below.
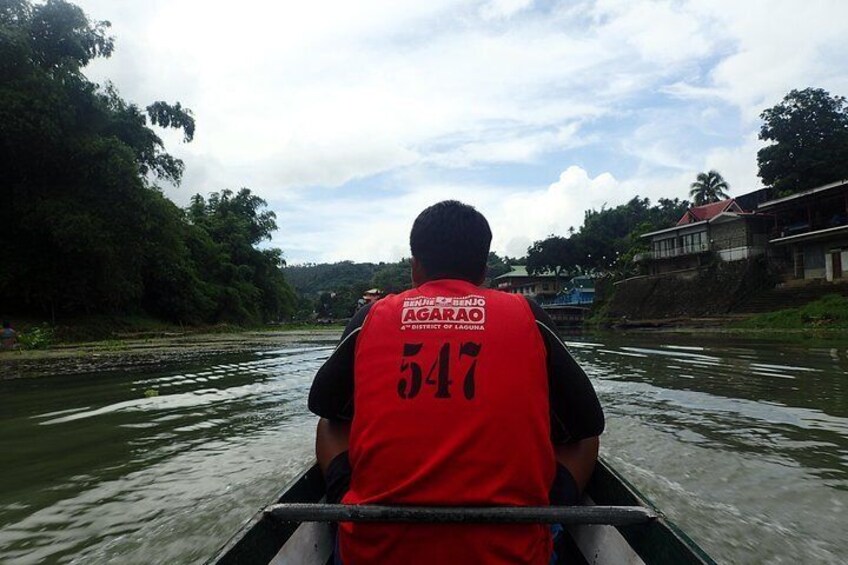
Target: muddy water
x=743 y=442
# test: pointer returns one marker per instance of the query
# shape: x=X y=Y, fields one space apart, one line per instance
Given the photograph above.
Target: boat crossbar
x=567 y=515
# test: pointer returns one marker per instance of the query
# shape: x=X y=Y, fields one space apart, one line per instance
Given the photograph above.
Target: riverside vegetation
x=827 y=313
x=86 y=229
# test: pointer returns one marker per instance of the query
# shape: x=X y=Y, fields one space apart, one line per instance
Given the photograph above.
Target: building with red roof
x=720 y=229
x=709 y=211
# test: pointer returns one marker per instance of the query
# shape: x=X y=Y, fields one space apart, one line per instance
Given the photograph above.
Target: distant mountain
x=311 y=279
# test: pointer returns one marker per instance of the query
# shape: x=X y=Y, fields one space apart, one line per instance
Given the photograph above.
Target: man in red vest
x=451 y=394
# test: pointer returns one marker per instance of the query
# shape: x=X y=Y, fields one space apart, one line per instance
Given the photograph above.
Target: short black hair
x=451 y=240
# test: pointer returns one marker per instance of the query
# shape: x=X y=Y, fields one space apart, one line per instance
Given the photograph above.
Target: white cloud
x=661 y=32
x=379 y=231
x=537 y=214
x=503 y=9
x=512 y=147
x=324 y=93
x=772 y=47
x=737 y=164
x=295 y=99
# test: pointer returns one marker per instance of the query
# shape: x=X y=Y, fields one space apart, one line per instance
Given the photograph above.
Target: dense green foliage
x=708 y=187
x=809 y=134
x=393 y=277
x=331 y=290
x=85 y=228
x=310 y=279
x=607 y=239
x=828 y=312
x=246 y=283
x=39 y=337
x=497 y=266
x=556 y=254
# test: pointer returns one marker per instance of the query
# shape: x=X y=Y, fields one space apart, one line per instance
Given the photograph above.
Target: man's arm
x=576 y=413
x=331 y=395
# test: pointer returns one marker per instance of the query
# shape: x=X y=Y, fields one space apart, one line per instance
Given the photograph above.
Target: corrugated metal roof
x=802 y=194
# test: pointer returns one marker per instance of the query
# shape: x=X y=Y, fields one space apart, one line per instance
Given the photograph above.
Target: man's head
x=450 y=240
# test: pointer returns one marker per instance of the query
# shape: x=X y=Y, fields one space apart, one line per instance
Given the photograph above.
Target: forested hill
x=312 y=278
x=331 y=290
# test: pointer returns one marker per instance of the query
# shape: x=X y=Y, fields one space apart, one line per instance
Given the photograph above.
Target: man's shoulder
x=518 y=300
x=538 y=312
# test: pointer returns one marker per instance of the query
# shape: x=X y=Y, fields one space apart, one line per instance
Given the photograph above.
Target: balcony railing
x=800 y=228
x=674 y=252
x=570 y=299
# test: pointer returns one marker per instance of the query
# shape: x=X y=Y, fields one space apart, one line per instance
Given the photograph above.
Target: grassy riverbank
x=829 y=313
x=41 y=334
x=825 y=317
x=153 y=346
x=104 y=343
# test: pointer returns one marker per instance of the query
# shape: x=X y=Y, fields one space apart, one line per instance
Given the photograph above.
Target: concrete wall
x=728 y=235
x=713 y=290
x=675 y=264
x=739 y=253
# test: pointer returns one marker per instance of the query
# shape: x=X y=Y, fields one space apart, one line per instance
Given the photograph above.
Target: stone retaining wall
x=712 y=290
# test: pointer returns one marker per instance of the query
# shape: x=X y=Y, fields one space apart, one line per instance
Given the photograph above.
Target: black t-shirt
x=575 y=411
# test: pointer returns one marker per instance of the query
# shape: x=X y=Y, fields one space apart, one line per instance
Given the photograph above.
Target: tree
x=708 y=187
x=311 y=279
x=250 y=282
x=809 y=134
x=77 y=216
x=555 y=254
x=495 y=267
x=393 y=277
x=667 y=212
x=607 y=240
x=85 y=228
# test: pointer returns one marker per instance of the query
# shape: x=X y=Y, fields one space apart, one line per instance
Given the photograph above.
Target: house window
x=665 y=247
x=694 y=242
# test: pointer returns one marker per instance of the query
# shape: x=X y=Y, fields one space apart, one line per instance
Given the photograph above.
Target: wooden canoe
x=267 y=539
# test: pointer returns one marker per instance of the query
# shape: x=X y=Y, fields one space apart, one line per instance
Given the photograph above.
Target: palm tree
x=708 y=187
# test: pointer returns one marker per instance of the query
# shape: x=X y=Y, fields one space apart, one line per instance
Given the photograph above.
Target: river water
x=742 y=442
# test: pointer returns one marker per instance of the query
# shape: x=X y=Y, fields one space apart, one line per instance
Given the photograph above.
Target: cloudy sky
x=349 y=117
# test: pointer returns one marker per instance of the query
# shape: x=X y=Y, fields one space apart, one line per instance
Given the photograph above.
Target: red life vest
x=450 y=408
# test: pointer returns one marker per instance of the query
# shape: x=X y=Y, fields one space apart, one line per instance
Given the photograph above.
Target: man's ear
x=419 y=277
